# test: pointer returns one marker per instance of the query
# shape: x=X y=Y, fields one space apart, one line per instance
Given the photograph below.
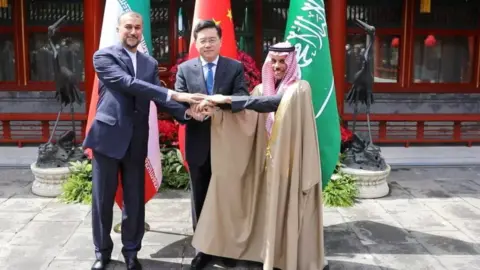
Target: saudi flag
x=307 y=30
x=109 y=37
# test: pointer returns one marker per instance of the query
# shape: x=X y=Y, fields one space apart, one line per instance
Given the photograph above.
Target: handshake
x=201 y=106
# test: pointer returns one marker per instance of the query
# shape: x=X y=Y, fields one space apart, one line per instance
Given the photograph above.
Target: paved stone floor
x=431 y=220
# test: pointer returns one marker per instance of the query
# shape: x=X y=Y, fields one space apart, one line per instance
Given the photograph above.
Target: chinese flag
x=220 y=11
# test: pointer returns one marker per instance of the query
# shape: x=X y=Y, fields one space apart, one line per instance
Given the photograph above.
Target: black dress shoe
x=200 y=261
x=100 y=264
x=229 y=262
x=133 y=264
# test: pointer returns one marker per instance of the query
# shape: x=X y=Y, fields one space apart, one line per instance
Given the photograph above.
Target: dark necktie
x=210 y=78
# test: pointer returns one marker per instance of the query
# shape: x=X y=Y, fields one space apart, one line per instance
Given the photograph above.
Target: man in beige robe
x=264 y=201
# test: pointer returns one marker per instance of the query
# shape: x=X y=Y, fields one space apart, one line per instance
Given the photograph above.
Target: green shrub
x=341 y=191
x=78 y=187
x=175 y=176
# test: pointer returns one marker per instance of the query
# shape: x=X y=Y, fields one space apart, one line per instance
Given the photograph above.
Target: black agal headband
x=281 y=49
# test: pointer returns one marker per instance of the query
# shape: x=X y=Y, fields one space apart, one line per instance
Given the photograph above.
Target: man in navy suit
x=208 y=74
x=118 y=137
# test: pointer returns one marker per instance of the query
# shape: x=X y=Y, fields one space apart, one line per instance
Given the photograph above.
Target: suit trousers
x=200 y=175
x=105 y=180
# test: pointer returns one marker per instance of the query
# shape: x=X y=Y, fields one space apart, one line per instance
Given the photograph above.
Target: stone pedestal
x=48 y=181
x=370 y=184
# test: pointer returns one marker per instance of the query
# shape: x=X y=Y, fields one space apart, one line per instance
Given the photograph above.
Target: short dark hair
x=205 y=24
x=129 y=13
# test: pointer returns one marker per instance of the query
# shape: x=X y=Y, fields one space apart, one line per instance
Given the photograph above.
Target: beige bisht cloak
x=264 y=199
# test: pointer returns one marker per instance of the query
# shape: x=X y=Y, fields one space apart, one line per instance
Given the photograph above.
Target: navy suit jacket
x=229 y=80
x=261 y=104
x=124 y=102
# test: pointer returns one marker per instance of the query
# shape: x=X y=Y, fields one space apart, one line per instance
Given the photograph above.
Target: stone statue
x=360 y=154
x=52 y=155
x=57 y=155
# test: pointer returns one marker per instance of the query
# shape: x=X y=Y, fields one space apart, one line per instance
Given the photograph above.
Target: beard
x=277 y=82
x=130 y=45
x=279 y=77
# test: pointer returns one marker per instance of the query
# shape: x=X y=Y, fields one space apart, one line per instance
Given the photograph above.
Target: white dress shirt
x=205 y=68
x=133 y=57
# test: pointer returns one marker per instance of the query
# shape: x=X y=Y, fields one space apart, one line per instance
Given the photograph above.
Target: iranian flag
x=219 y=11
x=182 y=43
x=307 y=31
x=109 y=37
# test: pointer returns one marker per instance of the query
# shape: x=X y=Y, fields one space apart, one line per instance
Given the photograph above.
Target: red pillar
x=93 y=16
x=337 y=34
x=258 y=32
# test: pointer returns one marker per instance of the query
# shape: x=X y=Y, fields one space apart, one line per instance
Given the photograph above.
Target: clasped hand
x=205 y=108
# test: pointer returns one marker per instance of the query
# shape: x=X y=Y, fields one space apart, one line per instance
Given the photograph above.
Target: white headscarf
x=292 y=74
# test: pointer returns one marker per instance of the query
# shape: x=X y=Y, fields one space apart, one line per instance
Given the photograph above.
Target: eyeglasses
x=209 y=41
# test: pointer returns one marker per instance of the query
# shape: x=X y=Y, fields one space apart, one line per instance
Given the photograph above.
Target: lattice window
x=45 y=13
x=70 y=53
x=447 y=14
x=243 y=20
x=274 y=19
x=6 y=15
x=7 y=44
x=440 y=55
x=7 y=57
x=69 y=39
x=386 y=16
x=386 y=58
x=159 y=18
x=379 y=13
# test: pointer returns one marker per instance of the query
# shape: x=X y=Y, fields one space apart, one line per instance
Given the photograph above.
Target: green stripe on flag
x=307 y=30
x=142 y=7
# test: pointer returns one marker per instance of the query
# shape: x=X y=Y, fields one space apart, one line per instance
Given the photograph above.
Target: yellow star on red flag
x=216 y=22
x=229 y=14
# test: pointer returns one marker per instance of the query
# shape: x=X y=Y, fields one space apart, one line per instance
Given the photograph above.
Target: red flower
x=174 y=69
x=345 y=134
x=168 y=130
x=252 y=74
